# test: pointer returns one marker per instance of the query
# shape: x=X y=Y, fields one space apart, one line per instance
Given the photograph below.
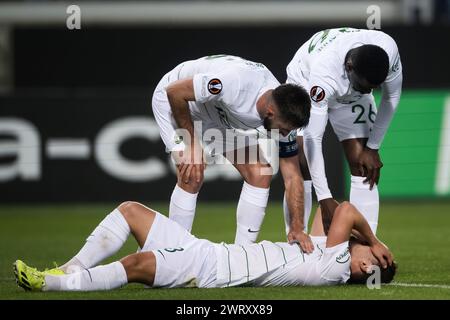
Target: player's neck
x=262 y=103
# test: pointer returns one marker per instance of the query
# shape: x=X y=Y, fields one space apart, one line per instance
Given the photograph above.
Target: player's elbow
x=180 y=90
x=132 y=211
x=171 y=92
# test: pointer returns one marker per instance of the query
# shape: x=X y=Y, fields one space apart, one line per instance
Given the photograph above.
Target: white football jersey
x=319 y=64
x=226 y=89
x=282 y=264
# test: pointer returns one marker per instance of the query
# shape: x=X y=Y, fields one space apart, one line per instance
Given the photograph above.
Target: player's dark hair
x=386 y=275
x=371 y=62
x=293 y=103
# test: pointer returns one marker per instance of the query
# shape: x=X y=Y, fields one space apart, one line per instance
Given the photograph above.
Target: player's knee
x=344 y=207
x=140 y=267
x=259 y=176
x=130 y=210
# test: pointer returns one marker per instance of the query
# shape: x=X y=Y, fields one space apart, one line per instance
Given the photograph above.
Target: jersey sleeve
x=288 y=146
x=334 y=266
x=320 y=93
x=321 y=89
x=395 y=63
x=215 y=86
x=391 y=92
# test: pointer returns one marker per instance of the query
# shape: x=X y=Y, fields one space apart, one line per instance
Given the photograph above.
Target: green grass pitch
x=418 y=233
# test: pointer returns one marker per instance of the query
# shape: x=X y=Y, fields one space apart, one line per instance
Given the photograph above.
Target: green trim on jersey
x=265 y=258
x=284 y=256
x=229 y=264
x=246 y=259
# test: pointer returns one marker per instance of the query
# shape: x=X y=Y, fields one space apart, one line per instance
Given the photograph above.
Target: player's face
x=359 y=83
x=362 y=260
x=274 y=122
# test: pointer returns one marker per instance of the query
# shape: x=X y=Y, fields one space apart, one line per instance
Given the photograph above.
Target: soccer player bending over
x=171 y=257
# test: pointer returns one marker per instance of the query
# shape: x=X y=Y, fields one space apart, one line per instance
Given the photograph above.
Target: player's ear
x=270 y=112
x=349 y=65
x=366 y=266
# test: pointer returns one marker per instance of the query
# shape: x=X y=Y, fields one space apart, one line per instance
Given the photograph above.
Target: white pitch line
x=419 y=285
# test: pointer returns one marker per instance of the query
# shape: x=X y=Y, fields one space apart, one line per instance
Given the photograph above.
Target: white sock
x=307 y=185
x=250 y=213
x=105 y=277
x=365 y=200
x=104 y=241
x=182 y=207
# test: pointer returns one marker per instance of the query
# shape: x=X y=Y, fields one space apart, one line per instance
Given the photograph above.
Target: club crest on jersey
x=317 y=94
x=214 y=86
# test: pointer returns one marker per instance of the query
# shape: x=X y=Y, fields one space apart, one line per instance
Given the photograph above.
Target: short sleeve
x=320 y=91
x=213 y=86
x=335 y=264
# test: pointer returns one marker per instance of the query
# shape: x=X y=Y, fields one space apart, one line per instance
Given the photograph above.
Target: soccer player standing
x=232 y=96
x=340 y=68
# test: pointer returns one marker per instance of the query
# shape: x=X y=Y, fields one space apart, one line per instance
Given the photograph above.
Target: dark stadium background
x=71 y=83
x=77 y=135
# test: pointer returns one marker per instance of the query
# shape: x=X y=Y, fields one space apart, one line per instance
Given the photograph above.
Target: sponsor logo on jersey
x=214 y=86
x=396 y=65
x=317 y=94
x=343 y=257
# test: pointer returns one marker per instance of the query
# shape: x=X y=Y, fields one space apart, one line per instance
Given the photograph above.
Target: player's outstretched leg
x=130 y=217
x=138 y=267
x=111 y=234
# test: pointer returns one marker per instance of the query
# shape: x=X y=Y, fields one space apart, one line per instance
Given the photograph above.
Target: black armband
x=288 y=149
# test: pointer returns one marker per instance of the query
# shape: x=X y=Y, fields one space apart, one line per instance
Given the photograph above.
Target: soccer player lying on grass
x=171 y=257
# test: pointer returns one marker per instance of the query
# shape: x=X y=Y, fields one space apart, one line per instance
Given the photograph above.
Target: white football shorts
x=351 y=121
x=182 y=260
x=216 y=139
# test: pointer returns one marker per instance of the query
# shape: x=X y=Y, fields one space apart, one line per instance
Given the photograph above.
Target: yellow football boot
x=27 y=277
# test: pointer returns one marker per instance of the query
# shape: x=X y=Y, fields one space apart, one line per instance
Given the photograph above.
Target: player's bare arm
x=179 y=94
x=345 y=219
x=370 y=158
x=293 y=183
x=328 y=207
